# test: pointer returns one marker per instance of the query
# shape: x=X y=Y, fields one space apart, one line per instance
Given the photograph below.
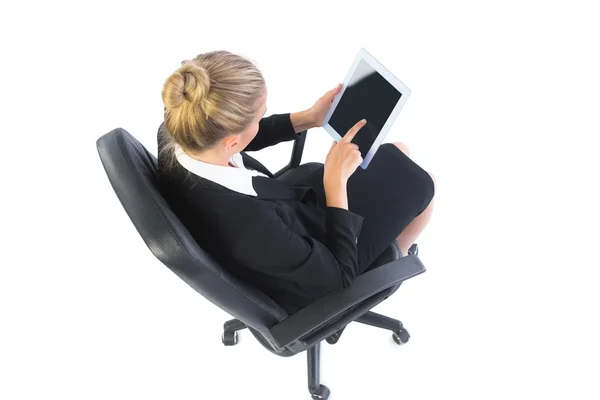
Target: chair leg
x=230 y=328
x=400 y=335
x=317 y=391
x=234 y=325
x=380 y=321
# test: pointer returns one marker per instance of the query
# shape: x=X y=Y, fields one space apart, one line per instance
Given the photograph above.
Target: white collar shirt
x=238 y=179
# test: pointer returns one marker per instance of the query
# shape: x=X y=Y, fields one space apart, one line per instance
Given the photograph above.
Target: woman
x=297 y=237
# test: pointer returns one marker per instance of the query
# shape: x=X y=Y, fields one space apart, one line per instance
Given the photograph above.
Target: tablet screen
x=368 y=95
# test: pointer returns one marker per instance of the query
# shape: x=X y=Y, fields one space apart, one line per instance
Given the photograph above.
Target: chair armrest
x=327 y=308
x=296 y=157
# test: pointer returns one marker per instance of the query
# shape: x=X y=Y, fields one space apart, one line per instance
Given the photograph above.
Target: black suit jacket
x=283 y=241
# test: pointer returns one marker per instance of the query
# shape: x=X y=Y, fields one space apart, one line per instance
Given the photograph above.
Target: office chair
x=131 y=170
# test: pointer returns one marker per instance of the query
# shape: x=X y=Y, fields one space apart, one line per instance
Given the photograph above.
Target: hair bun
x=189 y=83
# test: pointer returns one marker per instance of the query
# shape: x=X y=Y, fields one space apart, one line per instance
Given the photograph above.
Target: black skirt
x=389 y=194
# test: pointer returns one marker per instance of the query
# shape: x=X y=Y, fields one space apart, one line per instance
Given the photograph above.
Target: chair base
x=316 y=390
x=400 y=335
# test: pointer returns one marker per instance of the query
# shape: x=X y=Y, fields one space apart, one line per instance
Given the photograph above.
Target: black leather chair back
x=132 y=172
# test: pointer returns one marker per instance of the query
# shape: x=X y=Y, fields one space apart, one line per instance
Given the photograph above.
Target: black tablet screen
x=368 y=95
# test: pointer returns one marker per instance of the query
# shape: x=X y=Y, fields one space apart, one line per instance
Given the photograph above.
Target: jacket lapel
x=270 y=188
x=254 y=164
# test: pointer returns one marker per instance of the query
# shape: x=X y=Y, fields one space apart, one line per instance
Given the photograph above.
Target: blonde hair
x=207 y=99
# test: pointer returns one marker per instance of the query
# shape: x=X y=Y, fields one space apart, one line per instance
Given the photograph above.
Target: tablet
x=371 y=92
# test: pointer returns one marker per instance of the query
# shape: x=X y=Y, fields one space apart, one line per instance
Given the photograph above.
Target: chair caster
x=230 y=338
x=401 y=337
x=322 y=393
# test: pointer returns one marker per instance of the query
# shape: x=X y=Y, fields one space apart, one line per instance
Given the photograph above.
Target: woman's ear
x=231 y=142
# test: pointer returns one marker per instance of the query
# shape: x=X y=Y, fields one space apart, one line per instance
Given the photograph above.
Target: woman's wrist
x=302 y=120
x=336 y=194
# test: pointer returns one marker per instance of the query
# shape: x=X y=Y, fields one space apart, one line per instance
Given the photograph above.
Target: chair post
x=317 y=391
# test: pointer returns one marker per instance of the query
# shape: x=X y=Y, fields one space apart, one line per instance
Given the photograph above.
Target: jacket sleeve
x=268 y=245
x=272 y=130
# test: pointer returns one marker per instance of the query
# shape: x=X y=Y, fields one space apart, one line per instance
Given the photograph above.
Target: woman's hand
x=319 y=110
x=341 y=162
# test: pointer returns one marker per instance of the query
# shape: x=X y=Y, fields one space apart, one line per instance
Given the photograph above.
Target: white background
x=504 y=112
